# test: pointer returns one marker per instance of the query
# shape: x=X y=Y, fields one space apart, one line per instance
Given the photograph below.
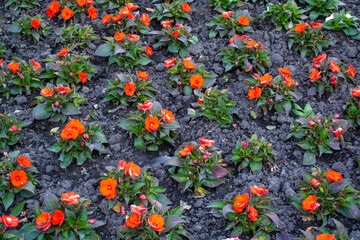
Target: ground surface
x=282 y=182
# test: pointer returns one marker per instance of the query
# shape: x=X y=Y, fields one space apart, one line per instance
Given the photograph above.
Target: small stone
x=277 y=59
x=96 y=106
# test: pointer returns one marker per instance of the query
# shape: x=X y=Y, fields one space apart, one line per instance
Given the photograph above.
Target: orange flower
x=146 y=106
x=53 y=9
x=57 y=218
x=14 y=67
x=145 y=19
x=35 y=23
x=138 y=209
x=152 y=123
x=264 y=80
x=189 y=65
x=315 y=75
x=63 y=52
x=319 y=58
x=133 y=221
x=207 y=142
x=227 y=14
x=106 y=18
x=130 y=6
x=252 y=213
x=333 y=176
x=119 y=36
x=315 y=182
x=309 y=204
x=254 y=93
x=166 y=23
x=289 y=81
x=241 y=202
x=24 y=161
x=122 y=165
x=124 y=12
x=92 y=13
x=148 y=50
x=18 y=178
x=134 y=38
x=81 y=2
x=132 y=170
x=83 y=77
x=258 y=190
x=47 y=92
x=300 y=28
x=185 y=7
x=130 y=89
x=334 y=67
x=116 y=18
x=316 y=25
x=36 y=65
x=9 y=221
x=170 y=62
x=325 y=237
x=351 y=71
x=63 y=90
x=252 y=44
x=356 y=92
x=196 y=81
x=244 y=21
x=167 y=116
x=108 y=188
x=76 y=125
x=232 y=38
x=284 y=71
x=186 y=150
x=43 y=221
x=175 y=34
x=67 y=13
x=142 y=75
x=156 y=222
x=67 y=134
x=70 y=198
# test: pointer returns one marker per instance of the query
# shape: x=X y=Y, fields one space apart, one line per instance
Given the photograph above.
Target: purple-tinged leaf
x=219 y=172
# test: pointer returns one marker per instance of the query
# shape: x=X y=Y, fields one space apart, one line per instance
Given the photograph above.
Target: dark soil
x=282 y=182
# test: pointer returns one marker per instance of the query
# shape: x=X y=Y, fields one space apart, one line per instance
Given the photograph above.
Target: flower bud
x=91 y=221
x=201 y=100
x=311 y=123
x=71 y=74
x=337 y=115
x=195 y=162
x=143 y=197
x=88 y=35
x=205 y=157
x=82 y=144
x=87 y=204
x=236 y=63
x=123 y=210
x=13 y=128
x=244 y=144
x=315 y=182
x=56 y=104
x=270 y=100
x=179 y=83
x=86 y=136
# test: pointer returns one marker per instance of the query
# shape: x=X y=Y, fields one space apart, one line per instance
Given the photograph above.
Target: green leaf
x=307 y=145
x=29 y=187
x=139 y=143
x=309 y=158
x=17 y=209
x=143 y=61
x=314 y=15
x=255 y=166
x=55 y=148
x=70 y=109
x=15 y=28
x=188 y=90
x=8 y=199
x=104 y=50
x=350 y=211
x=179 y=177
x=172 y=48
x=40 y=113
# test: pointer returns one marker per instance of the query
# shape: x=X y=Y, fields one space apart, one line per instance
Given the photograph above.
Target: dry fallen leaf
x=54 y=130
x=185 y=205
x=117 y=207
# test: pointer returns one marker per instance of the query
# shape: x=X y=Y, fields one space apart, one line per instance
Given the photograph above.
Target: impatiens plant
x=127 y=183
x=317 y=134
x=197 y=165
x=177 y=11
x=322 y=7
x=253 y=152
x=79 y=142
x=214 y=105
x=155 y=223
x=127 y=21
x=177 y=39
x=284 y=15
x=279 y=93
x=251 y=211
x=184 y=72
x=10 y=130
x=152 y=126
x=343 y=22
x=230 y=23
x=222 y=5
x=326 y=74
x=307 y=39
x=34 y=28
x=16 y=178
x=18 y=77
x=5 y=223
x=72 y=9
x=352 y=108
x=246 y=54
x=64 y=219
x=326 y=192
x=113 y=5
x=17 y=5
x=125 y=51
x=57 y=103
x=65 y=68
x=75 y=36
x=2 y=49
x=125 y=90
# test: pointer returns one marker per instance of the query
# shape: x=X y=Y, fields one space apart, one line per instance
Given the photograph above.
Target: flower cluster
x=78 y=142
x=279 y=92
x=197 y=165
x=352 y=108
x=343 y=22
x=177 y=11
x=71 y=8
x=75 y=36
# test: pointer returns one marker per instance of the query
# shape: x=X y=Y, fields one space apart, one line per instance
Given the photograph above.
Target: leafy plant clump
x=307 y=39
x=78 y=143
x=197 y=165
x=253 y=152
x=215 y=105
x=76 y=36
x=177 y=11
x=352 y=108
x=17 y=180
x=317 y=134
x=251 y=211
x=17 y=5
x=284 y=15
x=113 y=5
x=322 y=7
x=343 y=22
x=279 y=93
x=326 y=192
x=230 y=23
x=246 y=54
x=57 y=103
x=10 y=130
x=152 y=126
x=223 y=5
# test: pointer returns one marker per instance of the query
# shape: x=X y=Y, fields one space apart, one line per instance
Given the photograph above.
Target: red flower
x=138 y=209
x=63 y=52
x=315 y=182
x=57 y=218
x=356 y=92
x=338 y=132
x=166 y=23
x=142 y=75
x=36 y=65
x=252 y=213
x=119 y=36
x=232 y=38
x=185 y=7
x=132 y=170
x=254 y=93
x=146 y=106
x=35 y=23
x=264 y=80
x=258 y=190
x=70 y=198
x=130 y=89
x=319 y=58
x=24 y=161
x=43 y=221
x=83 y=77
x=244 y=21
x=108 y=188
x=92 y=13
x=47 y=92
x=106 y=18
x=156 y=222
x=132 y=37
x=170 y=62
x=152 y=123
x=18 y=178
x=333 y=176
x=186 y=150
x=9 y=221
x=145 y=19
x=133 y=221
x=175 y=34
x=315 y=25
x=14 y=67
x=148 y=50
x=315 y=75
x=167 y=116
x=351 y=71
x=227 y=14
x=67 y=13
x=241 y=202
x=300 y=28
x=334 y=67
x=310 y=204
x=131 y=6
x=325 y=237
x=207 y=142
